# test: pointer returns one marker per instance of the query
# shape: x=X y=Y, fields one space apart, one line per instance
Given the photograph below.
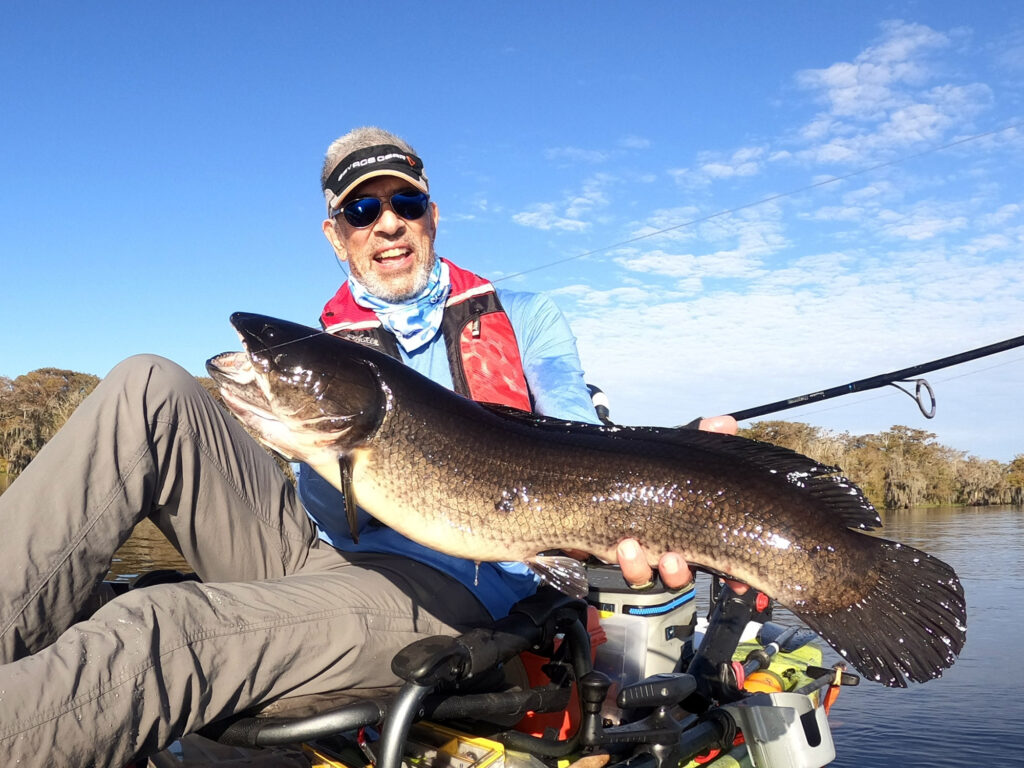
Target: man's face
x=392 y=257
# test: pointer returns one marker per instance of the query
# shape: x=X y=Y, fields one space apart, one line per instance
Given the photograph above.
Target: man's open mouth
x=392 y=254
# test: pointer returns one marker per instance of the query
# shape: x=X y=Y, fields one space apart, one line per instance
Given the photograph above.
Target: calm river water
x=973 y=715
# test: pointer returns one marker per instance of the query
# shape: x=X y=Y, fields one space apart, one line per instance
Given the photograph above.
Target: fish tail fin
x=911 y=624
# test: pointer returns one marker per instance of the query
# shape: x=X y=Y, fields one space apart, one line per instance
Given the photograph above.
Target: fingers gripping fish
x=486 y=483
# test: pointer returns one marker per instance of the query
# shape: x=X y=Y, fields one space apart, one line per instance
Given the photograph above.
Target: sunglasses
x=362 y=212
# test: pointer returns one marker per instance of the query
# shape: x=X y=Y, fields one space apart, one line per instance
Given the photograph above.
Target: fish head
x=304 y=393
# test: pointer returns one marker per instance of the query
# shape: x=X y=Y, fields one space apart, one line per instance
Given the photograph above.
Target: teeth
x=236 y=367
x=392 y=253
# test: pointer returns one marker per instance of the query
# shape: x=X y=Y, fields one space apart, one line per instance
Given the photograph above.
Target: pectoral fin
x=563 y=573
x=351 y=511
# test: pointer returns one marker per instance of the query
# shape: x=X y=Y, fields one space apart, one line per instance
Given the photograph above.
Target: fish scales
x=487 y=483
x=498 y=489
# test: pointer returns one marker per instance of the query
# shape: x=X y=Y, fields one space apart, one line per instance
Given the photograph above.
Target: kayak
x=753 y=695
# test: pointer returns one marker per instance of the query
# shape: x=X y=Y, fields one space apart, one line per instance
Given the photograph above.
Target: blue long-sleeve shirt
x=553 y=371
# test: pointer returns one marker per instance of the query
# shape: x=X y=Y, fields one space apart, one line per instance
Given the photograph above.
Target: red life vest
x=482 y=350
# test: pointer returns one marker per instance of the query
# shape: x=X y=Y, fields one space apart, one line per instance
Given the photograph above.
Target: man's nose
x=389 y=221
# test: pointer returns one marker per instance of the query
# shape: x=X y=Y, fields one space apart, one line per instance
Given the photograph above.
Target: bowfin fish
x=489 y=484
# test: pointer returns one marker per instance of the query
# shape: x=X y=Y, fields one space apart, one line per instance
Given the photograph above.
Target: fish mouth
x=231 y=367
x=246 y=391
x=241 y=388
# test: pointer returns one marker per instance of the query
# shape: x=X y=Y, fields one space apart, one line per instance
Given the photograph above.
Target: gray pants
x=278 y=613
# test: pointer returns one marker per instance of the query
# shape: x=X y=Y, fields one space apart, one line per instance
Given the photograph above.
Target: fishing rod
x=894 y=379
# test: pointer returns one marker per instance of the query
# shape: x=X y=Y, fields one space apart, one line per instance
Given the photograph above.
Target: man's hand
x=672 y=567
x=725 y=424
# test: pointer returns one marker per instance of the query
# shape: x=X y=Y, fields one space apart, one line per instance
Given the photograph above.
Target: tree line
x=34 y=406
x=898 y=468
x=902 y=467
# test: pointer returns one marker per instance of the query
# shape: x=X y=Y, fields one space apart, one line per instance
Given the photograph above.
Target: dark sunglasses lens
x=363 y=212
x=409 y=205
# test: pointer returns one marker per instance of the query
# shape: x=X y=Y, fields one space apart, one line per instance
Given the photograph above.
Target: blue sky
x=160 y=162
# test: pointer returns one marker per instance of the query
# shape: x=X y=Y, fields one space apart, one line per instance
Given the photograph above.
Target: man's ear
x=435 y=215
x=334 y=238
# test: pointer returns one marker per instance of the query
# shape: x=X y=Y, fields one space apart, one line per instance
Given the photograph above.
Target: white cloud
x=837 y=213
x=988 y=244
x=1000 y=216
x=545 y=216
x=924 y=228
x=835 y=152
x=659 y=262
x=686 y=177
x=818 y=128
x=1008 y=53
x=913 y=123
x=576 y=155
x=745 y=161
x=599 y=301
x=570 y=155
x=871 y=193
x=725 y=171
x=569 y=215
x=748 y=234
x=880 y=102
x=634 y=142
x=871 y=84
x=668 y=225
x=740 y=244
x=592 y=196
x=923 y=220
x=665 y=357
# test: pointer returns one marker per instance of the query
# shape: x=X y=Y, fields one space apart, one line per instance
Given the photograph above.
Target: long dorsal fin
x=825 y=483
x=821 y=481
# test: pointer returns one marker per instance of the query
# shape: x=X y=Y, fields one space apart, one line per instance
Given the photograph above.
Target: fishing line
x=296 y=341
x=981 y=370
x=763 y=200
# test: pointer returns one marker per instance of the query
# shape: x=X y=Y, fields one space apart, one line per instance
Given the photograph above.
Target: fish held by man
x=488 y=483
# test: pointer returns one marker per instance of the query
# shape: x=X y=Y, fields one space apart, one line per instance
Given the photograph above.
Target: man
x=285 y=607
x=396 y=283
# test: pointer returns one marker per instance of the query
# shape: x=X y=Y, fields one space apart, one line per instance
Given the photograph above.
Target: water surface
x=974 y=713
x=146 y=550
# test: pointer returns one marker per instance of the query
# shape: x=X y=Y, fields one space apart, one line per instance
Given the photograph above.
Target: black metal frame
x=674 y=717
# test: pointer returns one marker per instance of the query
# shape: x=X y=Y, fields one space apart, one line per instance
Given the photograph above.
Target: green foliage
x=34 y=406
x=1015 y=475
x=903 y=466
